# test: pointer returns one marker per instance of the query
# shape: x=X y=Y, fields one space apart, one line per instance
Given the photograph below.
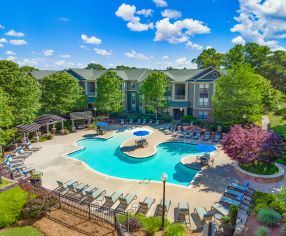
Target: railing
x=91 y=94
x=179 y=97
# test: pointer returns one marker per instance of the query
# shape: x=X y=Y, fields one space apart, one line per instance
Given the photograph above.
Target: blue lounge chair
x=239 y=203
x=145 y=206
x=122 y=121
x=14 y=160
x=111 y=199
x=23 y=151
x=197 y=135
x=144 y=122
x=207 y=136
x=150 y=122
x=217 y=136
x=156 y=122
x=17 y=154
x=243 y=188
x=131 y=122
x=139 y=122
x=125 y=201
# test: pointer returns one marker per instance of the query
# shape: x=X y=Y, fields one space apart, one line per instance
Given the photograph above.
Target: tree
x=6 y=115
x=61 y=94
x=27 y=69
x=234 y=56
x=95 y=66
x=238 y=94
x=109 y=95
x=251 y=144
x=209 y=57
x=153 y=89
x=22 y=92
x=274 y=69
x=123 y=67
x=256 y=55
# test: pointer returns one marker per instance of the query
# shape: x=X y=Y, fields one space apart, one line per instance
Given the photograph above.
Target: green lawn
x=260 y=168
x=4 y=182
x=23 y=231
x=278 y=120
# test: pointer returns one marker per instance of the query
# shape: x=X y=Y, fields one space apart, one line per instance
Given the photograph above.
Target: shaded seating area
x=47 y=120
x=80 y=120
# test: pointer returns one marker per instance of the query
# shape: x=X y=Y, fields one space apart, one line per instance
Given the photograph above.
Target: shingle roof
x=40 y=74
x=132 y=74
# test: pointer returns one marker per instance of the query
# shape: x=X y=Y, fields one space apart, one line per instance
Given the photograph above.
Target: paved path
x=265 y=122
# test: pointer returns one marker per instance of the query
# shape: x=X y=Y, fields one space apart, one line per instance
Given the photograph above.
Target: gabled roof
x=40 y=74
x=182 y=75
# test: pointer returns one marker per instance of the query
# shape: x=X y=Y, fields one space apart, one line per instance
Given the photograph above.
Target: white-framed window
x=204 y=86
x=203 y=102
x=180 y=91
x=203 y=115
x=133 y=101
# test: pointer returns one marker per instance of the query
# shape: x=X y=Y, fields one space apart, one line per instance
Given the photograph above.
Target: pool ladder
x=144 y=181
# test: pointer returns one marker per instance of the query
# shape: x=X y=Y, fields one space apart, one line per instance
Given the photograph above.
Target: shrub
x=233 y=214
x=151 y=224
x=225 y=219
x=262 y=231
x=66 y=131
x=165 y=117
x=283 y=230
x=188 y=119
x=50 y=136
x=175 y=230
x=12 y=202
x=269 y=216
x=134 y=225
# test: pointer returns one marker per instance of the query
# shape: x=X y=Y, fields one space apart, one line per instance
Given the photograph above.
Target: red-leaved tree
x=250 y=143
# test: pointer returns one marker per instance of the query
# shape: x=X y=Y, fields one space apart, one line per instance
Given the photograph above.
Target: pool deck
x=206 y=188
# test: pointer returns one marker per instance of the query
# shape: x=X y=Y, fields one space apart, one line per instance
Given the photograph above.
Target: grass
x=260 y=168
x=278 y=120
x=23 y=231
x=4 y=182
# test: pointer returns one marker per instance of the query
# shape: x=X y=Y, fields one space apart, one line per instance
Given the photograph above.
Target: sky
x=58 y=34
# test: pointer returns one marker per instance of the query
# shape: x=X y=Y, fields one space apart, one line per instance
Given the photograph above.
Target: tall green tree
x=154 y=89
x=209 y=57
x=22 y=91
x=234 y=56
x=238 y=97
x=6 y=115
x=109 y=95
x=256 y=55
x=61 y=94
x=95 y=66
x=274 y=69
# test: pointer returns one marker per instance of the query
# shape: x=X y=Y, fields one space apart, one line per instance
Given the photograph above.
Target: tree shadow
x=217 y=178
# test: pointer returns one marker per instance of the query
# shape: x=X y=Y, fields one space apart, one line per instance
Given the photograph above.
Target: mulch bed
x=253 y=224
x=62 y=223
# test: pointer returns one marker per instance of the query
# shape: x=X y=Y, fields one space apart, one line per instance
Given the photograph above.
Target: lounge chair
x=207 y=136
x=92 y=195
x=230 y=201
x=145 y=206
x=209 y=229
x=217 y=137
x=183 y=211
x=17 y=154
x=156 y=122
x=197 y=135
x=122 y=121
x=159 y=210
x=63 y=185
x=13 y=165
x=150 y=122
x=125 y=201
x=203 y=214
x=243 y=188
x=131 y=122
x=80 y=188
x=144 y=122
x=31 y=148
x=237 y=194
x=139 y=122
x=220 y=208
x=26 y=171
x=14 y=160
x=23 y=152
x=71 y=187
x=111 y=199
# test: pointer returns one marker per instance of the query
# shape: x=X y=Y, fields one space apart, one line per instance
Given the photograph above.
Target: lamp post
x=94 y=109
x=164 y=178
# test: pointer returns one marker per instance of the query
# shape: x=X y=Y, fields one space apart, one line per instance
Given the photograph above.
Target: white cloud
x=2 y=26
x=48 y=52
x=261 y=21
x=60 y=63
x=138 y=26
x=136 y=55
x=145 y=12
x=179 y=31
x=28 y=62
x=194 y=46
x=82 y=46
x=126 y=12
x=3 y=40
x=10 y=53
x=64 y=19
x=165 y=58
x=169 y=13
x=208 y=47
x=1 y=45
x=65 y=56
x=238 y=40
x=14 y=33
x=103 y=52
x=184 y=62
x=160 y=3
x=18 y=42
x=11 y=58
x=90 y=40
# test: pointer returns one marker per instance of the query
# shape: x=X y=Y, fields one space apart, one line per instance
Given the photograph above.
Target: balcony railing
x=91 y=94
x=179 y=97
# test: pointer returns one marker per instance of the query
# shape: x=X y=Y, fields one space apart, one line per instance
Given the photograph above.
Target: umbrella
x=141 y=133
x=205 y=148
x=102 y=124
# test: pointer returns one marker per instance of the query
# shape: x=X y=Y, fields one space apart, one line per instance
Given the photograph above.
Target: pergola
x=47 y=120
x=85 y=115
x=31 y=128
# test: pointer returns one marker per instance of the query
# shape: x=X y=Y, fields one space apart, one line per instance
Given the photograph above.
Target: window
x=203 y=102
x=180 y=91
x=204 y=90
x=132 y=85
x=203 y=115
x=90 y=88
x=133 y=101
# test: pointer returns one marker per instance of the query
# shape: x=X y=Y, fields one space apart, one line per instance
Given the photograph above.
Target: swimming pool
x=105 y=156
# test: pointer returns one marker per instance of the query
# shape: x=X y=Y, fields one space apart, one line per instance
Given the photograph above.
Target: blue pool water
x=106 y=157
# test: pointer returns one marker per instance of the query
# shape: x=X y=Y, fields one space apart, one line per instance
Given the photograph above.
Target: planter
x=37 y=182
x=53 y=130
x=73 y=129
x=62 y=132
x=228 y=230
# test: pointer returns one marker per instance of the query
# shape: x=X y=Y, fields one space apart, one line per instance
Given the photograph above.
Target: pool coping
x=189 y=186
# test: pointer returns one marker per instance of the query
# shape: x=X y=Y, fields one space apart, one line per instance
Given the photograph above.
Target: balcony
x=91 y=94
x=179 y=97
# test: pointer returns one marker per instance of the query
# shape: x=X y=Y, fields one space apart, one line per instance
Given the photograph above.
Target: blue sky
x=147 y=33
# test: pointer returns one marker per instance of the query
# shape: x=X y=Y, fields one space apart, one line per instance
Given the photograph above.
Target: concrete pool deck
x=205 y=189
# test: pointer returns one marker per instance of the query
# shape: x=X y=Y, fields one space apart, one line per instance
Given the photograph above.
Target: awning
x=179 y=104
x=29 y=128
